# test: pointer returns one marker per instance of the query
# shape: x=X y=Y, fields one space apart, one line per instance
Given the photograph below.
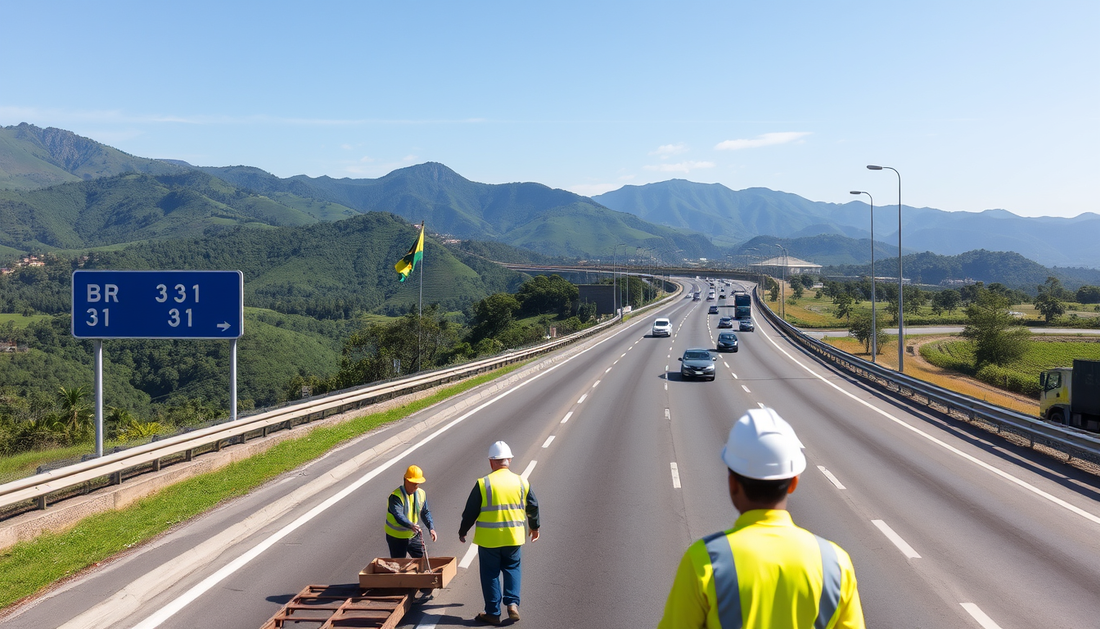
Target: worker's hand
x=432 y=533
x=534 y=535
x=462 y=538
x=417 y=529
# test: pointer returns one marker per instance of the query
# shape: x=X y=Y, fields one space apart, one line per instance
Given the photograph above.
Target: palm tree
x=76 y=415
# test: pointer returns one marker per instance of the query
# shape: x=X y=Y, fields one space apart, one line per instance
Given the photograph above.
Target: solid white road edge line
x=829 y=475
x=125 y=601
x=675 y=476
x=977 y=614
x=943 y=444
x=905 y=548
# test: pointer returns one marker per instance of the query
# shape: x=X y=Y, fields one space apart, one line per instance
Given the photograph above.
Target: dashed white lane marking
x=829 y=475
x=668 y=356
x=735 y=375
x=904 y=547
x=530 y=468
x=548 y=441
x=943 y=444
x=595 y=383
x=468 y=558
x=666 y=367
x=675 y=476
x=728 y=365
x=567 y=416
x=668 y=415
x=623 y=355
x=616 y=362
x=666 y=386
x=977 y=614
x=746 y=389
x=607 y=370
x=761 y=405
x=583 y=397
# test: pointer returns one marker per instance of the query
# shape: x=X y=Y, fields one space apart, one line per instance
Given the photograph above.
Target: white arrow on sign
x=224 y=326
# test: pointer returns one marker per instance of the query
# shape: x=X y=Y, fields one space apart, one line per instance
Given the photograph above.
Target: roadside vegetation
x=28 y=567
x=158 y=388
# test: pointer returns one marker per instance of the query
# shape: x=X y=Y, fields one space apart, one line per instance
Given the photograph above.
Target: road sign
x=158 y=304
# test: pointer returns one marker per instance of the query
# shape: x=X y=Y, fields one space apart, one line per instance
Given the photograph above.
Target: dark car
x=725 y=322
x=713 y=310
x=745 y=325
x=727 y=342
x=697 y=363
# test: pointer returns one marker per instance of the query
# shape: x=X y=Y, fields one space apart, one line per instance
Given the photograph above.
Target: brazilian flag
x=407 y=265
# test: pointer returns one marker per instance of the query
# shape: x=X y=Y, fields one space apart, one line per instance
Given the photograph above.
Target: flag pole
x=420 y=305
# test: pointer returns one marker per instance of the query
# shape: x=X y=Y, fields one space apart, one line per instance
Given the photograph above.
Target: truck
x=1071 y=396
x=742 y=306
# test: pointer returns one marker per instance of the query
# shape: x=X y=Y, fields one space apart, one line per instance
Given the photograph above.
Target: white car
x=662 y=327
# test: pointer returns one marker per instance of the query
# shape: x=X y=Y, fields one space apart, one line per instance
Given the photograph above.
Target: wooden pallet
x=332 y=606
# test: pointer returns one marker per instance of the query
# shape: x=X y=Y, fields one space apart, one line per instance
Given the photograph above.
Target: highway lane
x=995 y=530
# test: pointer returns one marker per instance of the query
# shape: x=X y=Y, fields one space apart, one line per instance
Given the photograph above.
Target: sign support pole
x=98 y=385
x=233 y=380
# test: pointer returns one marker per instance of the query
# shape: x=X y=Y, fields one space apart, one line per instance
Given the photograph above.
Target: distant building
x=786 y=265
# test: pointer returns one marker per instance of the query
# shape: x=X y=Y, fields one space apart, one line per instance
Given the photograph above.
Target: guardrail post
x=41 y=501
x=156 y=465
x=116 y=478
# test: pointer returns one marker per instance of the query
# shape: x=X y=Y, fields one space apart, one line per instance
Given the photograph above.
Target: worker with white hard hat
x=764 y=572
x=497 y=508
x=406 y=509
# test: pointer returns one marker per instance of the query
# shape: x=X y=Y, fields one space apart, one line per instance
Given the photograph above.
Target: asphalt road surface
x=947 y=525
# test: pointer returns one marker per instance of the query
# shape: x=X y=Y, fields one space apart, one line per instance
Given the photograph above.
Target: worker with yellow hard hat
x=408 y=507
x=764 y=572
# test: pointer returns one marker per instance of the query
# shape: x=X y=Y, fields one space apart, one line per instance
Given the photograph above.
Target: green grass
x=19 y=320
x=28 y=567
x=1021 y=376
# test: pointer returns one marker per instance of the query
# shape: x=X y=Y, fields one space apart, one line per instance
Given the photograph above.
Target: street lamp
x=874 y=325
x=901 y=325
x=782 y=281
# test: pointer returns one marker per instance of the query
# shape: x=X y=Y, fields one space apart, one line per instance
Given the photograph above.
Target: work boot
x=487 y=619
x=513 y=611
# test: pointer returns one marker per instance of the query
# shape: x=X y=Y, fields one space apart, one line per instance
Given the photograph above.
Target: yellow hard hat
x=414 y=474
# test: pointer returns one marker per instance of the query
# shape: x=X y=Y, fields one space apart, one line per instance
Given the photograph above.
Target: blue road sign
x=158 y=304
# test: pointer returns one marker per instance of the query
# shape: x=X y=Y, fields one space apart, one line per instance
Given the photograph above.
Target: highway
x=947 y=525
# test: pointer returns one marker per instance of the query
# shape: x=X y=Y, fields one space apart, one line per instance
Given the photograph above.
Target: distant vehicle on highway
x=745 y=325
x=661 y=327
x=695 y=296
x=697 y=362
x=714 y=309
x=725 y=322
x=722 y=296
x=727 y=342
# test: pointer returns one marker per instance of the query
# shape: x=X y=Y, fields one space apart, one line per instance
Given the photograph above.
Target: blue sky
x=978 y=104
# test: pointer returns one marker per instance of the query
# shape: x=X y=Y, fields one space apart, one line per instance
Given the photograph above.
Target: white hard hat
x=763 y=446
x=500 y=450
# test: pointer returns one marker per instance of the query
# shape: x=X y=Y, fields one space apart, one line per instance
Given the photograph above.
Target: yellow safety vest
x=503 y=510
x=412 y=512
x=765 y=572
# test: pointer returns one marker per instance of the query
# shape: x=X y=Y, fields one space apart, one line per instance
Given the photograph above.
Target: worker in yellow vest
x=764 y=572
x=497 y=508
x=407 y=508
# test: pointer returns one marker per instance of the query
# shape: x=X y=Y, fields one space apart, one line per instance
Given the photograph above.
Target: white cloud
x=592 y=189
x=768 y=139
x=667 y=150
x=682 y=167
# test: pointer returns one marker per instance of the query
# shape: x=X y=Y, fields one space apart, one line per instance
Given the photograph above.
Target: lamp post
x=782 y=281
x=874 y=324
x=901 y=287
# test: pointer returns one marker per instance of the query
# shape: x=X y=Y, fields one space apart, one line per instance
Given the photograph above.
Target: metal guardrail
x=1067 y=440
x=36 y=491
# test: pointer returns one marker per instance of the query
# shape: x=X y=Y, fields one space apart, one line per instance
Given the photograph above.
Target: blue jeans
x=492 y=562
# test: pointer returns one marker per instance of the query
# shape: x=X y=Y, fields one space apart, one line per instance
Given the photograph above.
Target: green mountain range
x=732 y=217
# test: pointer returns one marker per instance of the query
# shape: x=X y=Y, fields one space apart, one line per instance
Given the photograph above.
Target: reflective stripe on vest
x=729 y=595
x=393 y=527
x=501 y=523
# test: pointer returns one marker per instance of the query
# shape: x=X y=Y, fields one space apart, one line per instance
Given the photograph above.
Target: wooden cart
x=379 y=602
